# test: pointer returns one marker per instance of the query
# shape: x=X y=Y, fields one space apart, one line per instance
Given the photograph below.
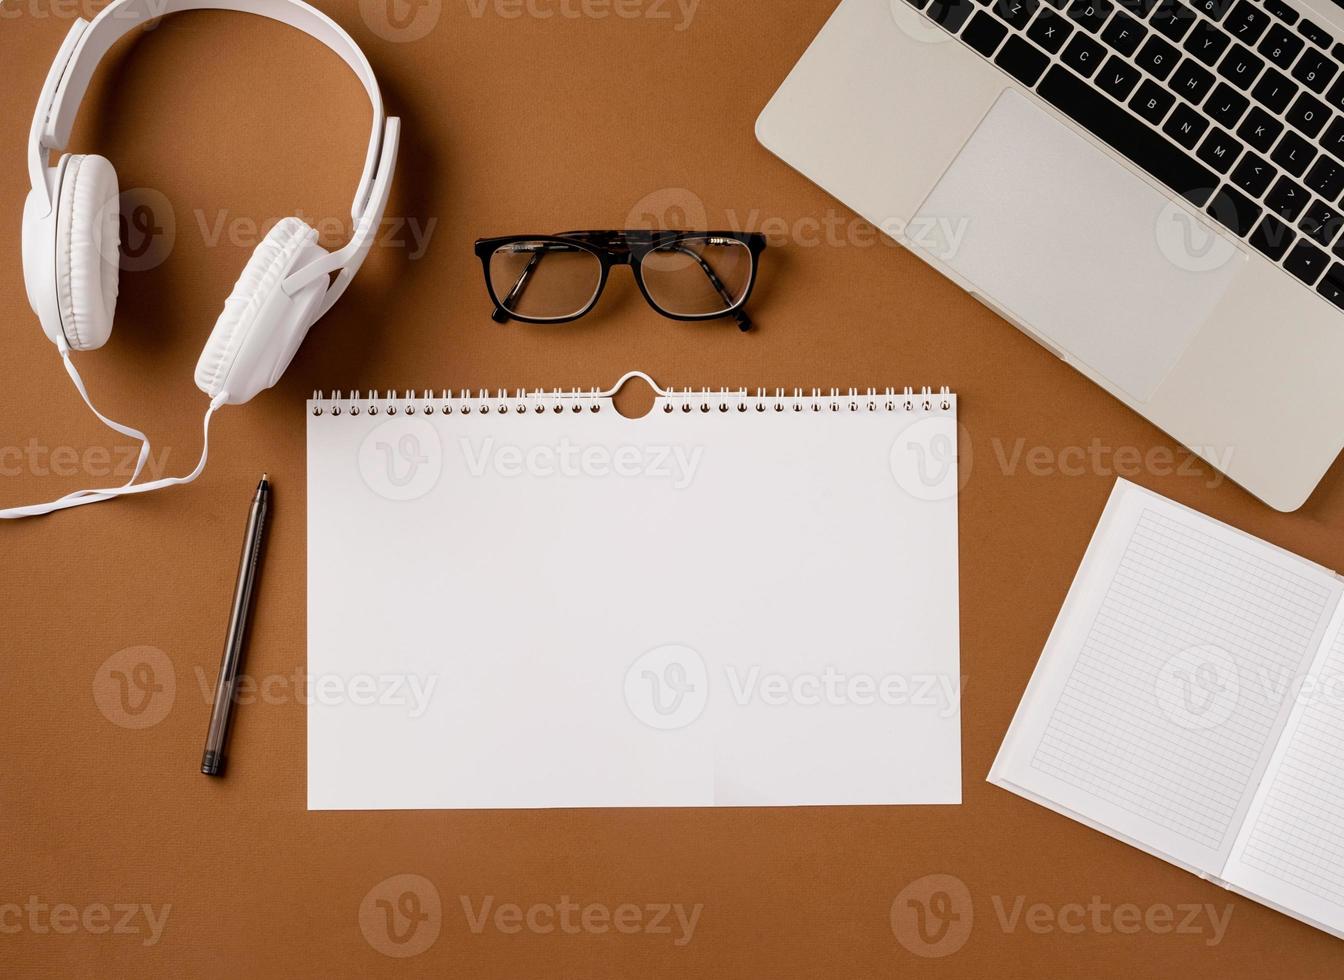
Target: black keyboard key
x=1014 y=13
x=1090 y=14
x=1333 y=140
x=1172 y=18
x=1274 y=90
x=1287 y=199
x=1253 y=175
x=1083 y=54
x=1137 y=8
x=1191 y=82
x=1326 y=178
x=1021 y=60
x=917 y=4
x=950 y=14
x=1234 y=210
x=1206 y=43
x=1246 y=22
x=1306 y=261
x=1157 y=57
x=1240 y=67
x=1282 y=11
x=984 y=33
x=1314 y=34
x=1293 y=154
x=1226 y=105
x=1147 y=149
x=1322 y=222
x=1186 y=126
x=1152 y=101
x=1336 y=94
x=1219 y=150
x=1308 y=114
x=1213 y=9
x=1272 y=237
x=1332 y=286
x=1260 y=129
x=1049 y=30
x=1117 y=78
x=1124 y=33
x=1314 y=70
x=1281 y=46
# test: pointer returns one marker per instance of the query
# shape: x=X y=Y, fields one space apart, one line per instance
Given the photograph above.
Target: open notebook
x=1190 y=701
x=529 y=600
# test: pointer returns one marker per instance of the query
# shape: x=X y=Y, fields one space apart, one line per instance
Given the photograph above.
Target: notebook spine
x=688 y=400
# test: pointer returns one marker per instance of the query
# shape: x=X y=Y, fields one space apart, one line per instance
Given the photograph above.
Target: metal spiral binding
x=687 y=401
x=869 y=400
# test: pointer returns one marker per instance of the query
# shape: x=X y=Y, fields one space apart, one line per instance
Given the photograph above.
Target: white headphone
x=70 y=235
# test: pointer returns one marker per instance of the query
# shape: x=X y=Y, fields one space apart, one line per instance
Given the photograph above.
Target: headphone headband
x=88 y=42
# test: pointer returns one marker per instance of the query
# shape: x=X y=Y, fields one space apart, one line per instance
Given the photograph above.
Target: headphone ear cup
x=261 y=327
x=88 y=239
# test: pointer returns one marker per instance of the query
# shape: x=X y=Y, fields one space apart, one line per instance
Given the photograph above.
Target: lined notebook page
x=1292 y=849
x=1153 y=712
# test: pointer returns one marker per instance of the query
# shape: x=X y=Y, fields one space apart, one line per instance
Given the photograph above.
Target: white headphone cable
x=80 y=497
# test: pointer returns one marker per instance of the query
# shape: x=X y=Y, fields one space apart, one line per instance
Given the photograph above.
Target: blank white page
x=1291 y=850
x=1150 y=715
x=744 y=605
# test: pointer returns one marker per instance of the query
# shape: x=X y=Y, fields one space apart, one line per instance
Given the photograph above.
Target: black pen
x=212 y=763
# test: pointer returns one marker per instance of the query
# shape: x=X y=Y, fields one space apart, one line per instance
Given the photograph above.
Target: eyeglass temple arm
x=501 y=312
x=743 y=321
x=502 y=315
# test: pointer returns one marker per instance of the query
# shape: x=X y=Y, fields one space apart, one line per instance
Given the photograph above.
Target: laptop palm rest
x=1075 y=247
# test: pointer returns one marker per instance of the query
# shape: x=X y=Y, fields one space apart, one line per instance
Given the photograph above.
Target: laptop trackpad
x=1074 y=246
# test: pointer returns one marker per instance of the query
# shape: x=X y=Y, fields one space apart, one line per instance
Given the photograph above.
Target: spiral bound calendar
x=526 y=599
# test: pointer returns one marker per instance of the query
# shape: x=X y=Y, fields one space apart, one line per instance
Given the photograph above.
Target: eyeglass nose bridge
x=616 y=244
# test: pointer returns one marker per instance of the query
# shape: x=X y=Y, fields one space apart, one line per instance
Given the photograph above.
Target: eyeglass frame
x=629 y=247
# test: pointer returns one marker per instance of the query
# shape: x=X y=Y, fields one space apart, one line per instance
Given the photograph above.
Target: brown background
x=516 y=124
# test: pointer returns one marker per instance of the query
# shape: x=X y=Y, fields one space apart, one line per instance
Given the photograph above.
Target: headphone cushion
x=250 y=307
x=87 y=251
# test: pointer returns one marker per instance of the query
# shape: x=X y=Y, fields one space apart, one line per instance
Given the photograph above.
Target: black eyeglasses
x=684 y=275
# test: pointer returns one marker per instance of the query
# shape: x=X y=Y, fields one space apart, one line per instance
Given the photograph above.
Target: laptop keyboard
x=1236 y=105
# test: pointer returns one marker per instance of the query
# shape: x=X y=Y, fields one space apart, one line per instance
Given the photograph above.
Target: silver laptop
x=1150 y=188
